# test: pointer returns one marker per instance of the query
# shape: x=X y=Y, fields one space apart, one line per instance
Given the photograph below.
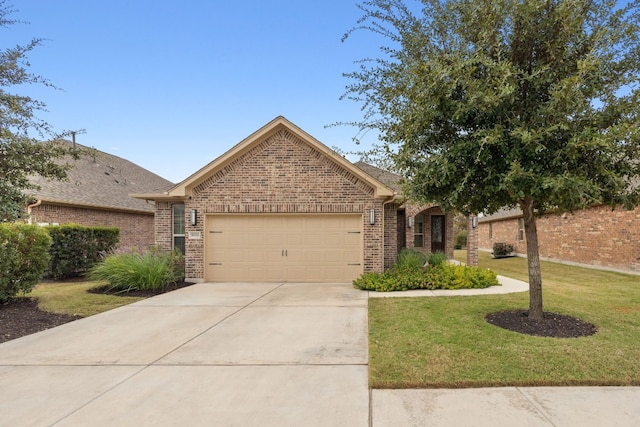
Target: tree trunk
x=533 y=260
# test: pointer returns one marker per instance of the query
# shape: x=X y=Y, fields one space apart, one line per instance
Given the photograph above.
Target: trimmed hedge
x=24 y=256
x=77 y=248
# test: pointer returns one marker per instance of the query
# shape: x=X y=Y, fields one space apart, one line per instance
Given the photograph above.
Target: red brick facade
x=428 y=211
x=136 y=229
x=281 y=170
x=597 y=236
x=283 y=175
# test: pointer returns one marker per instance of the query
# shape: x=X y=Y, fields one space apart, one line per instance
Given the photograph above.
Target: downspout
x=37 y=203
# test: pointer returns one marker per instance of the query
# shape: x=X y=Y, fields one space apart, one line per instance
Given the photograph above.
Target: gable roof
x=183 y=189
x=100 y=180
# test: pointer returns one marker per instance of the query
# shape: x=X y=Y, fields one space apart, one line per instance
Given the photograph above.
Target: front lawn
x=73 y=299
x=445 y=341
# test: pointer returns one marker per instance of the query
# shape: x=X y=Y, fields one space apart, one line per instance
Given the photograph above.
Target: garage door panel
x=309 y=248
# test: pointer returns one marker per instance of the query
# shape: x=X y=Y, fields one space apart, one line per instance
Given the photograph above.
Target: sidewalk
x=516 y=406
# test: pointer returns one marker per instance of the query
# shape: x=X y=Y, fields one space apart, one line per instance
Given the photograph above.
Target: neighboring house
x=281 y=206
x=97 y=194
x=597 y=236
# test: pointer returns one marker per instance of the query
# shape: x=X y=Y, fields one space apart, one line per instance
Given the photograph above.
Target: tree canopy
x=504 y=103
x=23 y=153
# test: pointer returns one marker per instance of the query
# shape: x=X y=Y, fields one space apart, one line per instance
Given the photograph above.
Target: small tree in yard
x=21 y=155
x=504 y=103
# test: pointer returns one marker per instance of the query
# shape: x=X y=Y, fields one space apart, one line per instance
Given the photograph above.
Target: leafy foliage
x=77 y=248
x=22 y=156
x=23 y=258
x=504 y=103
x=152 y=269
x=442 y=276
x=460 y=240
x=501 y=249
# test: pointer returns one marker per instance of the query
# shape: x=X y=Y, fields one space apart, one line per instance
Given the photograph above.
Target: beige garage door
x=288 y=248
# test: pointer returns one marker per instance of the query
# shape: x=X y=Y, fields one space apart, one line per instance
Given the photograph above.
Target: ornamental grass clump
x=147 y=270
x=411 y=258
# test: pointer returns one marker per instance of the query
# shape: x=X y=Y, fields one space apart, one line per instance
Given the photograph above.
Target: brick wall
x=596 y=236
x=164 y=226
x=283 y=175
x=429 y=210
x=390 y=234
x=136 y=229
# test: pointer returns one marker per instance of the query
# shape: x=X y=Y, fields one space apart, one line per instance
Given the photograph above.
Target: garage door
x=288 y=248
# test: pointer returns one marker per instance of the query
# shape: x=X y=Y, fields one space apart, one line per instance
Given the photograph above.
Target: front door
x=438 y=237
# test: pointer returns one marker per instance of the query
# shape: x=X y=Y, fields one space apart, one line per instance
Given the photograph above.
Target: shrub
x=436 y=258
x=451 y=276
x=442 y=276
x=460 y=240
x=152 y=269
x=411 y=258
x=24 y=258
x=77 y=248
x=502 y=249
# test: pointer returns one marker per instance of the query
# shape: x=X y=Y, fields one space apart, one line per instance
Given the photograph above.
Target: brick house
x=97 y=194
x=281 y=206
x=598 y=236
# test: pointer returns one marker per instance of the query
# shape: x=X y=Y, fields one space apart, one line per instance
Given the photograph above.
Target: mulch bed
x=23 y=317
x=553 y=324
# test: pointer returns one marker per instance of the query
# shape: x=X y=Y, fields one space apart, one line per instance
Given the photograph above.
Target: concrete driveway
x=210 y=354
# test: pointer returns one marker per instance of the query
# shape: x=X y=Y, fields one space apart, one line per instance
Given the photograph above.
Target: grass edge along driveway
x=444 y=342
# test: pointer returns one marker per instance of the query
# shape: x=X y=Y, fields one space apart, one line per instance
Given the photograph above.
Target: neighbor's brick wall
x=595 y=236
x=283 y=174
x=136 y=230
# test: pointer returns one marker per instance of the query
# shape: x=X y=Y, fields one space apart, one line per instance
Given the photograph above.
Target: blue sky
x=172 y=85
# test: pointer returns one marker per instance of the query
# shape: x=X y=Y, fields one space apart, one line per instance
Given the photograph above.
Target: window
x=521 y=229
x=178 y=228
x=490 y=230
x=418 y=231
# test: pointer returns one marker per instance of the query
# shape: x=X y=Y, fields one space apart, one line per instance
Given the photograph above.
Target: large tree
x=23 y=153
x=507 y=103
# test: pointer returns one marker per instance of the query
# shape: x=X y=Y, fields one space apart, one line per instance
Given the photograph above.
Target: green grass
x=445 y=341
x=72 y=298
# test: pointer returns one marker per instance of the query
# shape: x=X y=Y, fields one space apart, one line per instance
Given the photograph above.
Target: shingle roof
x=102 y=180
x=503 y=213
x=389 y=179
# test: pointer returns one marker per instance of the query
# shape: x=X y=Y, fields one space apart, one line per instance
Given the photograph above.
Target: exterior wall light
x=372 y=216
x=474 y=221
x=410 y=222
x=193 y=217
